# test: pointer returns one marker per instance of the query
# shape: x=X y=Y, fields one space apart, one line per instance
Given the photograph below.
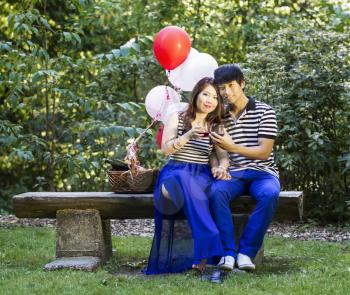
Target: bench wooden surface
x=83 y=231
x=132 y=206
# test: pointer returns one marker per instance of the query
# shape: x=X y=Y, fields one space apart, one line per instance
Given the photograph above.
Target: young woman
x=185 y=233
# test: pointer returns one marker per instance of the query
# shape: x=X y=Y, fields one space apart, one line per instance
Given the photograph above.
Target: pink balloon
x=159 y=99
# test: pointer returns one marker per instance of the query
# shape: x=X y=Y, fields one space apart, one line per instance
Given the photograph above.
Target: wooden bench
x=83 y=220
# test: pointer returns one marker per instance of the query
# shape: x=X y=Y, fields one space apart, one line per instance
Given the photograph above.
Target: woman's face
x=207 y=100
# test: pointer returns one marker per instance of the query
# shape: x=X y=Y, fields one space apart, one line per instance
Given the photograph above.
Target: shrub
x=304 y=73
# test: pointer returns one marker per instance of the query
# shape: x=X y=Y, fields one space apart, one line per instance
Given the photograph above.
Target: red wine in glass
x=204 y=134
x=219 y=129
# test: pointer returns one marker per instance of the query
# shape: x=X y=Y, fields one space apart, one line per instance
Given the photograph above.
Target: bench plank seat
x=132 y=206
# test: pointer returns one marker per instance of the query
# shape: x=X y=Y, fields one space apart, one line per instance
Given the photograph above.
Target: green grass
x=290 y=267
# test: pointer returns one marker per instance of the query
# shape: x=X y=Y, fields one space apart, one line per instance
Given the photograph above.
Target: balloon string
x=158 y=115
x=167 y=94
x=131 y=158
x=155 y=119
x=176 y=88
x=132 y=148
x=131 y=154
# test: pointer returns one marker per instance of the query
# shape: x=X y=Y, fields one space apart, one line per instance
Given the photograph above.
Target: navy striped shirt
x=195 y=150
x=258 y=120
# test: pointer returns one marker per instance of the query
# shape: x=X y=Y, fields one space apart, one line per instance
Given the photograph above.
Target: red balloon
x=171 y=47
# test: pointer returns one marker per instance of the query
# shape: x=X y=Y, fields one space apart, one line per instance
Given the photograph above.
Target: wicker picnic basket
x=142 y=181
x=128 y=176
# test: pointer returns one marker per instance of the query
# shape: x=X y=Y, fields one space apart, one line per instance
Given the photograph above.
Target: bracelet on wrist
x=173 y=144
x=177 y=145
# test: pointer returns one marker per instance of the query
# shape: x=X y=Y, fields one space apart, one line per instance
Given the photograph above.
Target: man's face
x=232 y=91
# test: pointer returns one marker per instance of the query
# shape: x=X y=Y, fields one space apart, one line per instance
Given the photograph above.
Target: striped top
x=258 y=120
x=195 y=150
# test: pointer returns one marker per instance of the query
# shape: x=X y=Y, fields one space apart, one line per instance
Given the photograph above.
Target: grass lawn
x=290 y=267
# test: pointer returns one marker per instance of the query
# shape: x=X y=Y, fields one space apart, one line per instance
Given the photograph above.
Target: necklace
x=202 y=124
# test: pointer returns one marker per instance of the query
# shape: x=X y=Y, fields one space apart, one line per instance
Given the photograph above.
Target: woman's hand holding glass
x=197 y=132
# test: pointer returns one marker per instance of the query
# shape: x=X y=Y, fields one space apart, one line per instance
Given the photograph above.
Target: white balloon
x=175 y=75
x=176 y=107
x=159 y=99
x=196 y=66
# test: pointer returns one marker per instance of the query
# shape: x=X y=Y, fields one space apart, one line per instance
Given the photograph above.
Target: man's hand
x=259 y=152
x=225 y=141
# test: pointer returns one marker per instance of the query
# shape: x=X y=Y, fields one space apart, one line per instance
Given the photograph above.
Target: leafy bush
x=305 y=74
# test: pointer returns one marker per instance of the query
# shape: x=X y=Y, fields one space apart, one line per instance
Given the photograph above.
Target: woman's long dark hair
x=215 y=116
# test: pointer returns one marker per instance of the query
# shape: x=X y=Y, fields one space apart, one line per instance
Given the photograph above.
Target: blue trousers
x=264 y=188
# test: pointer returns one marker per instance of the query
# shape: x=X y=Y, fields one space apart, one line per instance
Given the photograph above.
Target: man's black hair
x=228 y=73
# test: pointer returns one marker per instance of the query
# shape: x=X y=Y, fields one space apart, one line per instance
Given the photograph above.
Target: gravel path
x=144 y=228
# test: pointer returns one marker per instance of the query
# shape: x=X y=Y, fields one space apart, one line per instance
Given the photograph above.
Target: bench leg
x=240 y=221
x=83 y=240
x=107 y=238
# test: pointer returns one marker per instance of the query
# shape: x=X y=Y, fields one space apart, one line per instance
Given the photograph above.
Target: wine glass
x=204 y=133
x=218 y=128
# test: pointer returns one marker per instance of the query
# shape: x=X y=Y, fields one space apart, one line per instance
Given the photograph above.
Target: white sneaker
x=244 y=262
x=226 y=263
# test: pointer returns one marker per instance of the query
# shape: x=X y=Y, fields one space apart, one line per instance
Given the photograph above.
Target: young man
x=251 y=130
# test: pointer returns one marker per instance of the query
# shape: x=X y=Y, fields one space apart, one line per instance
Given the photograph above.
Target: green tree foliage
x=61 y=113
x=74 y=75
x=305 y=74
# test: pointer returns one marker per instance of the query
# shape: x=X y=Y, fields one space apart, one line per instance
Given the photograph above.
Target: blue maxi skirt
x=185 y=232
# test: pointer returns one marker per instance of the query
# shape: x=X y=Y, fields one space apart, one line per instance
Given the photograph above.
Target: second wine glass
x=218 y=128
